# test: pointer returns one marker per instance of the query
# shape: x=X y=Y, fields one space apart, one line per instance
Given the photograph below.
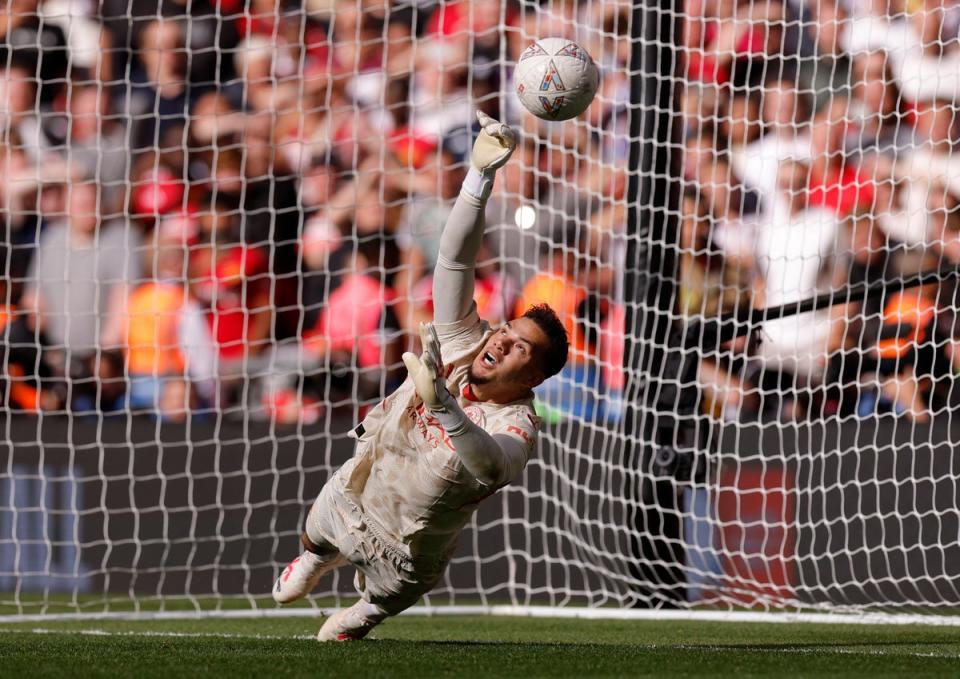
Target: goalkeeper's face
x=511 y=359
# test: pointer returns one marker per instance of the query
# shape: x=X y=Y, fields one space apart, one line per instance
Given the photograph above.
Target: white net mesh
x=219 y=223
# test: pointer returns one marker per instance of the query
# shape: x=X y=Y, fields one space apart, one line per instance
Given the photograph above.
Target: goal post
x=659 y=406
x=217 y=227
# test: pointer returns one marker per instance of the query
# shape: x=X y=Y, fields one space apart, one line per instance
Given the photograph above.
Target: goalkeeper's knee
x=321 y=548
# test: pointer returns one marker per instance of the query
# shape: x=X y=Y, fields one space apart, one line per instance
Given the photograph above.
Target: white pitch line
x=497 y=610
x=150 y=633
x=809 y=650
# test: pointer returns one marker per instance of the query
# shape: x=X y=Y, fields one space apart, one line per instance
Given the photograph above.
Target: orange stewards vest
x=910 y=308
x=152 y=338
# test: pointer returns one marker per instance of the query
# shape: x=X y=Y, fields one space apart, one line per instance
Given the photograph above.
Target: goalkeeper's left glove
x=493 y=146
x=491 y=151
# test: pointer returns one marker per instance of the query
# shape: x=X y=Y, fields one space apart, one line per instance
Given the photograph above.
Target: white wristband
x=478 y=184
x=452 y=419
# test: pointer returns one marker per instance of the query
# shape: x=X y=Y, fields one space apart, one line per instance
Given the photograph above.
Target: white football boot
x=301 y=575
x=351 y=624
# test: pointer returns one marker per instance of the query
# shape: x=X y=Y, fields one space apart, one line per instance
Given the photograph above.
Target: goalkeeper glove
x=427 y=373
x=493 y=146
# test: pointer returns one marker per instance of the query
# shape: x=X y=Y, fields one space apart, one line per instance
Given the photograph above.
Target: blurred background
x=232 y=207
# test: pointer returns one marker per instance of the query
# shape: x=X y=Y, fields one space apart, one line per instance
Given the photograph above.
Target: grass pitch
x=473 y=646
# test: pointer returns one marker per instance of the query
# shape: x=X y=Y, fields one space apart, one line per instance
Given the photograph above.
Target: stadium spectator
x=356 y=334
x=154 y=361
x=874 y=248
x=232 y=282
x=907 y=356
x=160 y=94
x=373 y=60
x=785 y=114
x=741 y=122
x=76 y=290
x=87 y=44
x=835 y=183
x=436 y=187
x=156 y=188
x=608 y=114
x=91 y=138
x=710 y=37
x=880 y=116
x=700 y=106
x=267 y=71
x=440 y=101
x=711 y=284
x=30 y=42
x=799 y=253
x=927 y=64
x=732 y=214
x=733 y=42
x=215 y=126
x=928 y=173
x=20 y=114
x=17 y=99
x=25 y=185
x=22 y=386
x=829 y=74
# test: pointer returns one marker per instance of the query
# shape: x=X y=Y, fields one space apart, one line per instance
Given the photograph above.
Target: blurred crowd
x=224 y=208
x=819 y=152
x=233 y=208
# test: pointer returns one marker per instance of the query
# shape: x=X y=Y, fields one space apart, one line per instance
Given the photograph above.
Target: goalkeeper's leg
x=388 y=586
x=303 y=573
x=352 y=624
x=321 y=552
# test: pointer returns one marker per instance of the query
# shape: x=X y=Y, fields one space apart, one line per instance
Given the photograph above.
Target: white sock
x=311 y=560
x=370 y=611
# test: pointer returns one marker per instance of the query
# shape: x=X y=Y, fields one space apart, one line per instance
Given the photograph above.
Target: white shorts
x=385 y=575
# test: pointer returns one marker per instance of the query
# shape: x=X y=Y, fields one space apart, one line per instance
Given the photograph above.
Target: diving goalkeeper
x=461 y=426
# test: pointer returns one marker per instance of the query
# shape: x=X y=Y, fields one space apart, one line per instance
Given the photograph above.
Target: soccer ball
x=555 y=79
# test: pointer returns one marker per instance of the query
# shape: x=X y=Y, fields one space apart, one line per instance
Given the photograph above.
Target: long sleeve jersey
x=409 y=474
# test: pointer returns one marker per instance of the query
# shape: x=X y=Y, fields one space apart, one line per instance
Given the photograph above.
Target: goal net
x=219 y=221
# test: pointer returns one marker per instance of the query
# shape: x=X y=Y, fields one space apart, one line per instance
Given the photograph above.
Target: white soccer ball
x=555 y=79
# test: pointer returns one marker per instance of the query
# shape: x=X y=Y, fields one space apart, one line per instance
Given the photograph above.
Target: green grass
x=473 y=646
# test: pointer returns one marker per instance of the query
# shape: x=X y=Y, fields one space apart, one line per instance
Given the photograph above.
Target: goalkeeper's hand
x=493 y=147
x=427 y=371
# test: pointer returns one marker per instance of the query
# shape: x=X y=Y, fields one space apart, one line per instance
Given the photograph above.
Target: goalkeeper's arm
x=492 y=459
x=453 y=279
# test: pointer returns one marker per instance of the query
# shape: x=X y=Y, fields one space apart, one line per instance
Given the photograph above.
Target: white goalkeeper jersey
x=406 y=475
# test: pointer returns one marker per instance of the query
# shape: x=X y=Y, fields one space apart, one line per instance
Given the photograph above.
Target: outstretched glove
x=428 y=374
x=493 y=146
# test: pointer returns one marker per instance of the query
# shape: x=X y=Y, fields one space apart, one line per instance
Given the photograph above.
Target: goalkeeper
x=460 y=427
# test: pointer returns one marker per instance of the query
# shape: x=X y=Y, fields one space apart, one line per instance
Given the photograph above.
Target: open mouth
x=488 y=359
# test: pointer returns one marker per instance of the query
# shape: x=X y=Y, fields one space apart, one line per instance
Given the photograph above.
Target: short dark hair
x=555 y=356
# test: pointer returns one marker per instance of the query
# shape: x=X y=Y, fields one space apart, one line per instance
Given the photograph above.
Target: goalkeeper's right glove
x=427 y=371
x=429 y=379
x=493 y=147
